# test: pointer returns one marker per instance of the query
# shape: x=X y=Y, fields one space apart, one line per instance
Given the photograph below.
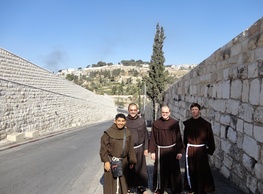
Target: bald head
x=165 y=112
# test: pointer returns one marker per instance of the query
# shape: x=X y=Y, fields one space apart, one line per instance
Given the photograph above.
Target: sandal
x=156 y=192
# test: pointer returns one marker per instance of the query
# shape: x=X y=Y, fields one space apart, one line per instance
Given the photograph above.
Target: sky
x=62 y=34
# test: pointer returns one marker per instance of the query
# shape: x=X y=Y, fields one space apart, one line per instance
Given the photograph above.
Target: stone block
x=258 y=115
x=248 y=56
x=226 y=89
x=225 y=172
x=214 y=90
x=258 y=133
x=253 y=70
x=15 y=137
x=239 y=170
x=251 y=183
x=220 y=105
x=233 y=60
x=239 y=140
x=225 y=119
x=248 y=162
x=228 y=161
x=251 y=147
x=225 y=146
x=217 y=162
x=236 y=89
x=226 y=74
x=246 y=112
x=259 y=171
x=245 y=91
x=219 y=90
x=222 y=131
x=248 y=129
x=254 y=94
x=236 y=50
x=232 y=135
x=232 y=106
x=217 y=129
x=259 y=54
x=31 y=134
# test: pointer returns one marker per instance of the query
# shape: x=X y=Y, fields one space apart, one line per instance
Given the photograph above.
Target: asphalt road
x=67 y=163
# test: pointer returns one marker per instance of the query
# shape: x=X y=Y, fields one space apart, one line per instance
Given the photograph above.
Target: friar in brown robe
x=199 y=142
x=138 y=176
x=111 y=146
x=166 y=148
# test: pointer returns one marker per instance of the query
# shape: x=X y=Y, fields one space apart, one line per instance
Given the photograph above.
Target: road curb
x=9 y=145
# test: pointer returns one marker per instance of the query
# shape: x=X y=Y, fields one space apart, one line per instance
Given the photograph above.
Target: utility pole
x=144 y=99
x=139 y=93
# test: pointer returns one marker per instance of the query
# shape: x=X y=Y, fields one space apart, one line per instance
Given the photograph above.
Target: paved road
x=67 y=163
x=64 y=163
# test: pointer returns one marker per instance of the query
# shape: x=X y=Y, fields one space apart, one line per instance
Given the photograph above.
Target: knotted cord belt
x=135 y=147
x=187 y=166
x=158 y=186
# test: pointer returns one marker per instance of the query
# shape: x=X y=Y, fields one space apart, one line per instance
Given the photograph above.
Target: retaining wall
x=32 y=98
x=229 y=87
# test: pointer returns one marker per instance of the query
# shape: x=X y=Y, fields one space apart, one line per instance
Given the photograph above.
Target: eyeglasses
x=165 y=112
x=133 y=110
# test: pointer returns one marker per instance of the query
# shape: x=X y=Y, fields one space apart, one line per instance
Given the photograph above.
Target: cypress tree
x=155 y=82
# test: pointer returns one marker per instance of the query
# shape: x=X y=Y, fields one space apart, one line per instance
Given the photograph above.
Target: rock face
x=33 y=99
x=229 y=87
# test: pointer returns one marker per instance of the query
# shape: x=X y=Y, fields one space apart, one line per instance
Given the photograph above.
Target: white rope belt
x=187 y=166
x=158 y=167
x=135 y=147
x=118 y=178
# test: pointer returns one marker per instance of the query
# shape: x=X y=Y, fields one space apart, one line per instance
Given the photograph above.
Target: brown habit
x=198 y=132
x=166 y=133
x=138 y=176
x=111 y=145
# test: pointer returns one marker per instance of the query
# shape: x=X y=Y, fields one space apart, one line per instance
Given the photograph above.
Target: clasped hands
x=107 y=166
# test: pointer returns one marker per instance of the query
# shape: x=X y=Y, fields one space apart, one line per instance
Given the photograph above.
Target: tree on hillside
x=99 y=64
x=155 y=82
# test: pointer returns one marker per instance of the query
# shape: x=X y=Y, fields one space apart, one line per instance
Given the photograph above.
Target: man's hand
x=178 y=156
x=145 y=153
x=107 y=166
x=153 y=156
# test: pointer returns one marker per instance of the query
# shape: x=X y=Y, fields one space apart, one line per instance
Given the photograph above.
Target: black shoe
x=141 y=189
x=131 y=190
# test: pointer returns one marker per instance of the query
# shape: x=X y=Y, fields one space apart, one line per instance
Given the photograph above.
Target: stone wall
x=229 y=87
x=32 y=98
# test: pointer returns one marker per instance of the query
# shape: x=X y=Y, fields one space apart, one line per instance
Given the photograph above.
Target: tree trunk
x=153 y=101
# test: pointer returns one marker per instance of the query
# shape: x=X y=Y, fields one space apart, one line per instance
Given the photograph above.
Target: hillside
x=118 y=80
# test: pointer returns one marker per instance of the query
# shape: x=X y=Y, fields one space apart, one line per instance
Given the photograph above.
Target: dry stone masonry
x=33 y=99
x=229 y=87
